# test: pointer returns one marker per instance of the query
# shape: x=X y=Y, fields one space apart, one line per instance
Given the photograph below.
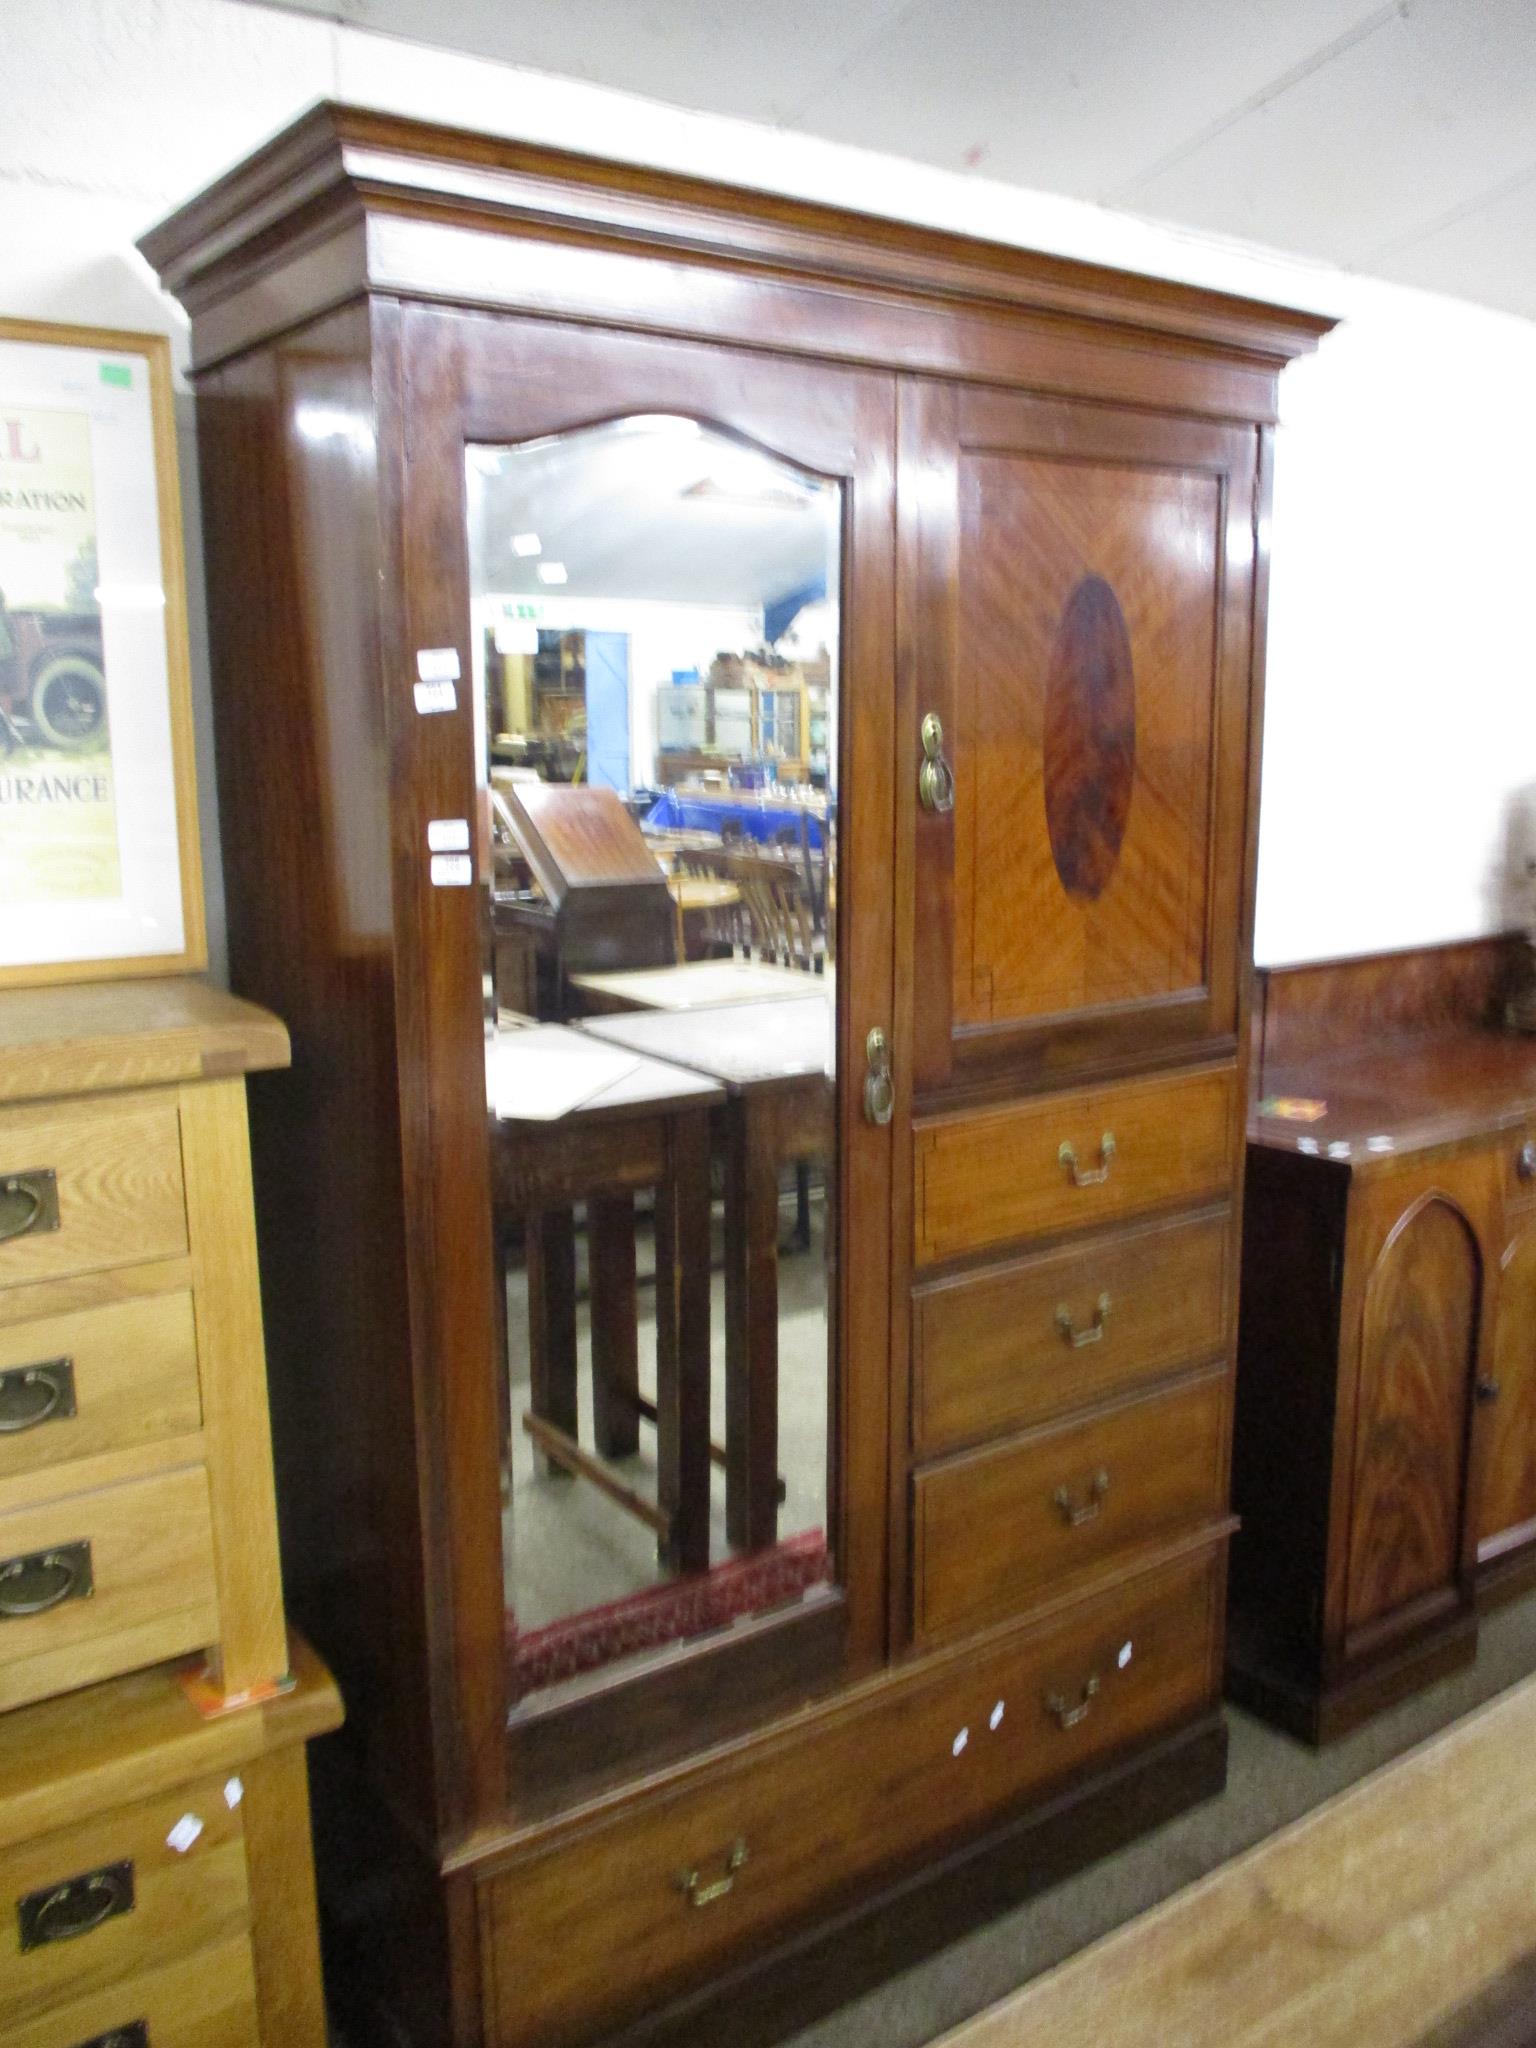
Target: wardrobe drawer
x=1009 y=1346
x=1064 y=1162
x=994 y=1530
x=92 y=1907
x=100 y=1379
x=208 y=2000
x=133 y=1583
x=609 y=1921
x=85 y=1185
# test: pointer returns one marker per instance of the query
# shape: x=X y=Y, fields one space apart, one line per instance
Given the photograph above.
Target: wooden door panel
x=1078 y=606
x=1508 y=1501
x=1083 y=730
x=1418 y=1357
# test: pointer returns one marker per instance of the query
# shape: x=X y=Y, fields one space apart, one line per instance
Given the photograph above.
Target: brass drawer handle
x=31 y=1395
x=879 y=1088
x=1069 y=1712
x=28 y=1202
x=63 y=1912
x=1525 y=1160
x=1095 y=1330
x=1075 y=1513
x=1487 y=1390
x=1095 y=1176
x=935 y=778
x=135 y=2035
x=697 y=1893
x=44 y=1579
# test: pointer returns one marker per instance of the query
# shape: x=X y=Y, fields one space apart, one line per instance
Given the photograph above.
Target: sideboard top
x=86 y=1038
x=353 y=159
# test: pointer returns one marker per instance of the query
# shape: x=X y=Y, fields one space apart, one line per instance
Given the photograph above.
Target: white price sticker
x=437 y=664
x=452 y=871
x=432 y=697
x=448 y=835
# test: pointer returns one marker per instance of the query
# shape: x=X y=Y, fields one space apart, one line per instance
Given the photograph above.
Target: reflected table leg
x=751 y=1320
x=551 y=1239
x=615 y=1325
x=682 y=1343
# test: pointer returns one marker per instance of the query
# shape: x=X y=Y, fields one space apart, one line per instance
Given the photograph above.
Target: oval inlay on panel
x=1090 y=738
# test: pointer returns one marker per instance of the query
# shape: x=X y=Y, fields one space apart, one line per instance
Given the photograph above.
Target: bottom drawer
x=91 y=1908
x=206 y=2001
x=620 y=1915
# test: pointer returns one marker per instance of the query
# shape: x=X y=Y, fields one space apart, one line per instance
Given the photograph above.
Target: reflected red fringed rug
x=665 y=1614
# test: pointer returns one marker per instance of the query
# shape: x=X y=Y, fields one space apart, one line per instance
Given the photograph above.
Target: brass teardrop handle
x=1090 y=1177
x=935 y=778
x=1095 y=1331
x=1075 y=1512
x=879 y=1088
x=21 y=1204
x=691 y=1882
x=1487 y=1390
x=1067 y=1712
x=1525 y=1160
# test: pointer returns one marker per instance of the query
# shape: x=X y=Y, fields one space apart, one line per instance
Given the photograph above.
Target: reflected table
x=645 y=1127
x=698 y=985
x=775 y=1062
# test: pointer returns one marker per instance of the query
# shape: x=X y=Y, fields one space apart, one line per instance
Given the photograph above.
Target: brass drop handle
x=935 y=778
x=1095 y=1331
x=1075 y=1512
x=1525 y=1160
x=1068 y=1713
x=1094 y=1176
x=879 y=1088
x=31 y=1395
x=44 y=1579
x=1487 y=1390
x=135 y=2035
x=691 y=1883
x=24 y=1202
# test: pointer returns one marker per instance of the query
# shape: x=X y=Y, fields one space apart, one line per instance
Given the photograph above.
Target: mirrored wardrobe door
x=677 y=577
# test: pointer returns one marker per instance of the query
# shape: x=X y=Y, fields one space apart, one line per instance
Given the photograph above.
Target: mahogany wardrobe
x=730 y=1597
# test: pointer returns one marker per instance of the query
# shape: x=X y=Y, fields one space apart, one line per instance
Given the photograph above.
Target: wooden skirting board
x=1398 y=1915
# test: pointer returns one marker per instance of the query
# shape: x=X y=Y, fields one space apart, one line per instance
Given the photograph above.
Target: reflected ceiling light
x=486 y=460
x=552 y=572
x=527 y=544
x=675 y=424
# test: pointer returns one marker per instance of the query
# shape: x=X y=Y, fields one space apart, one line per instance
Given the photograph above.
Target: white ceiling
x=1398 y=140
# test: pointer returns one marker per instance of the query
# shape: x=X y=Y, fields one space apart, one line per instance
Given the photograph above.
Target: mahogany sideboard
x=1384 y=1464
x=1053 y=484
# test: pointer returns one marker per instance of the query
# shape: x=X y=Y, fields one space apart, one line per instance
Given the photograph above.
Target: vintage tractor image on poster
x=53 y=687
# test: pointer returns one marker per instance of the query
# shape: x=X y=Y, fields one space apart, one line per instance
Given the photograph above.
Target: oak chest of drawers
x=154 y=1879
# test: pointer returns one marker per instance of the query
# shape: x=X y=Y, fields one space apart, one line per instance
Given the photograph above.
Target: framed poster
x=99 y=866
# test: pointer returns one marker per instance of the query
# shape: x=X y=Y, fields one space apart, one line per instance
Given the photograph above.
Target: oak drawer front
x=87 y=1185
x=100 y=1379
x=1017 y=1343
x=133 y=1583
x=208 y=2000
x=1065 y=1162
x=994 y=1530
x=600 y=1927
x=89 y=1908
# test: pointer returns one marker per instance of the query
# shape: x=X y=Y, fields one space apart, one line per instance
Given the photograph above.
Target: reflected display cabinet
x=753 y=1435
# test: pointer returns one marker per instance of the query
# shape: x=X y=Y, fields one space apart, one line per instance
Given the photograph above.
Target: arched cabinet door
x=1507 y=1506
x=1417 y=1366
